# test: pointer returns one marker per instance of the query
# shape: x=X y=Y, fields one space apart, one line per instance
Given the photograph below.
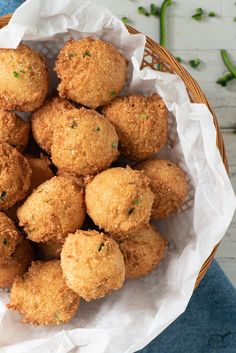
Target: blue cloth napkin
x=209 y=322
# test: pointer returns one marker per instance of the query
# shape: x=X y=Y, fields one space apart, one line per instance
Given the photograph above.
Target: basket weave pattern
x=157 y=57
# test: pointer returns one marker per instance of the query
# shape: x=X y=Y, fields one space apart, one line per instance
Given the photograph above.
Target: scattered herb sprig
x=229 y=76
x=163 y=9
x=198 y=16
x=194 y=63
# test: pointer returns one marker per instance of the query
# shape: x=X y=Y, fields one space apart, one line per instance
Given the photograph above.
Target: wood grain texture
x=190 y=39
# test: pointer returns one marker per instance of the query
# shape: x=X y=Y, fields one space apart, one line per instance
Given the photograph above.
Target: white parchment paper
x=129 y=319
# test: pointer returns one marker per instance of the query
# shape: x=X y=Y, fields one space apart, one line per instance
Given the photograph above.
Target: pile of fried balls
x=74 y=222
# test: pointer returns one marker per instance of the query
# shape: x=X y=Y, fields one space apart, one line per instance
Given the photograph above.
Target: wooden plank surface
x=191 y=39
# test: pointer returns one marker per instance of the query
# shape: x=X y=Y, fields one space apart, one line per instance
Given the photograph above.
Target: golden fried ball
x=85 y=143
x=50 y=250
x=16 y=265
x=14 y=130
x=45 y=119
x=15 y=173
x=141 y=124
x=142 y=251
x=40 y=171
x=9 y=237
x=92 y=72
x=168 y=183
x=42 y=296
x=23 y=77
x=119 y=200
x=92 y=264
x=53 y=210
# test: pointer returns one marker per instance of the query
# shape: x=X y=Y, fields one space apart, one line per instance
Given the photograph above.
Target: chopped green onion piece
x=155 y=10
x=87 y=53
x=23 y=71
x=144 y=117
x=114 y=145
x=113 y=93
x=16 y=74
x=30 y=68
x=198 y=14
x=164 y=6
x=137 y=202
x=179 y=59
x=225 y=79
x=71 y=55
x=125 y=20
x=228 y=63
x=212 y=14
x=195 y=63
x=3 y=195
x=143 y=11
x=101 y=246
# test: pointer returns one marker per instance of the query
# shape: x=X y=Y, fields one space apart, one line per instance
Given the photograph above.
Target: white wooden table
x=190 y=39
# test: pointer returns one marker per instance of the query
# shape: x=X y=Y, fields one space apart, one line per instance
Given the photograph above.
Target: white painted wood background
x=191 y=39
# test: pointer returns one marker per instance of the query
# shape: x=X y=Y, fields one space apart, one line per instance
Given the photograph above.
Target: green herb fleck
x=16 y=74
x=155 y=10
x=143 y=11
x=71 y=55
x=130 y=210
x=114 y=145
x=137 y=202
x=101 y=246
x=198 y=14
x=234 y=19
x=194 y=63
x=23 y=71
x=212 y=14
x=163 y=10
x=3 y=195
x=144 y=117
x=4 y=241
x=73 y=125
x=179 y=59
x=30 y=68
x=223 y=81
x=87 y=53
x=98 y=128
x=125 y=20
x=113 y=93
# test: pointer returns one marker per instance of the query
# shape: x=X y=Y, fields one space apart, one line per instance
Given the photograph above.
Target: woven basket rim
x=198 y=96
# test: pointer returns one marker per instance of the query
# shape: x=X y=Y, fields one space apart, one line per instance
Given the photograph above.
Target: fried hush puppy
x=50 y=250
x=45 y=119
x=17 y=264
x=42 y=296
x=168 y=183
x=9 y=237
x=85 y=143
x=92 y=72
x=141 y=124
x=23 y=77
x=142 y=251
x=15 y=174
x=119 y=200
x=92 y=264
x=53 y=210
x=14 y=130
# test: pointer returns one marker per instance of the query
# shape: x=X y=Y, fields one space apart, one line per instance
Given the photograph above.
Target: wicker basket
x=156 y=56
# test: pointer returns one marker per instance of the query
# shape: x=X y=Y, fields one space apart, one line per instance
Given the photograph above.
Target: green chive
x=179 y=59
x=3 y=195
x=155 y=10
x=223 y=81
x=16 y=74
x=194 y=63
x=137 y=202
x=87 y=53
x=131 y=210
x=23 y=71
x=71 y=55
x=143 y=11
x=30 y=68
x=198 y=14
x=125 y=20
x=4 y=241
x=212 y=14
x=114 y=145
x=113 y=93
x=101 y=246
